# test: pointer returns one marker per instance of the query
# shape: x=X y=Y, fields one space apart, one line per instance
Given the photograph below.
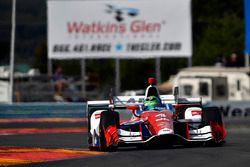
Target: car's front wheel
x=108 y=131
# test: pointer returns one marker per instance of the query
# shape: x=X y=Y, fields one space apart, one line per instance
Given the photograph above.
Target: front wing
x=182 y=134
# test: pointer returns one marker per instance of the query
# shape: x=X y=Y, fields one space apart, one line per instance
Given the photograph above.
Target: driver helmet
x=151 y=102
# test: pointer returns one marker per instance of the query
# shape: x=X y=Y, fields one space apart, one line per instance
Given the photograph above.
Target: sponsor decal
x=118 y=26
x=196 y=112
x=97 y=116
x=136 y=26
x=121 y=12
x=107 y=47
x=232 y=109
x=161 y=117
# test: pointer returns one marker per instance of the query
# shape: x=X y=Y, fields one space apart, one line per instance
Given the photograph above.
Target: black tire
x=211 y=114
x=212 y=143
x=107 y=118
x=93 y=148
x=103 y=145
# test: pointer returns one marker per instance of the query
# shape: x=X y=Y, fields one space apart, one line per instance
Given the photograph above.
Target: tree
x=217 y=29
x=222 y=38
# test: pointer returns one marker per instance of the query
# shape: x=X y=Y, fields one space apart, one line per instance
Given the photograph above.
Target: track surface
x=236 y=152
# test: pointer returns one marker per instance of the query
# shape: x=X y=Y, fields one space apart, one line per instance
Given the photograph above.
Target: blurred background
x=217 y=33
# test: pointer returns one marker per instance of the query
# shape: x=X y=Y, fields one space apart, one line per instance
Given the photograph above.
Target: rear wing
x=123 y=101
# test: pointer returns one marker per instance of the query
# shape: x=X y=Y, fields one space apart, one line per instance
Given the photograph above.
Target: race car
x=163 y=120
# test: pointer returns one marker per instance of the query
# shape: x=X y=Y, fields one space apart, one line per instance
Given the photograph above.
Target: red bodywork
x=158 y=120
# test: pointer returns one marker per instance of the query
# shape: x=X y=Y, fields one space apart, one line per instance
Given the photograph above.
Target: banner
x=247 y=26
x=119 y=29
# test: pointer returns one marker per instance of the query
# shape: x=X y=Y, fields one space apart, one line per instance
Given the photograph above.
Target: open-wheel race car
x=155 y=120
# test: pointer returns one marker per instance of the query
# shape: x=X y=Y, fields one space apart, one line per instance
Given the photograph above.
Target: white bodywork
x=165 y=131
x=204 y=133
x=95 y=122
x=128 y=136
x=193 y=113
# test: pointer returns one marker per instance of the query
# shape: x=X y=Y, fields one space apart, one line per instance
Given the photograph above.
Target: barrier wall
x=232 y=109
x=43 y=110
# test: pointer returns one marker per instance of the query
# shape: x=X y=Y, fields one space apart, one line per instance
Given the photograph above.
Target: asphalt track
x=235 y=152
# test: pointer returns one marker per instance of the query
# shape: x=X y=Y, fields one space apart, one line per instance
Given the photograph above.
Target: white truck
x=214 y=83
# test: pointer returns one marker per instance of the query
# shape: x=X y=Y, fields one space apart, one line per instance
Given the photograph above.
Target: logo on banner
x=121 y=12
x=102 y=27
x=119 y=47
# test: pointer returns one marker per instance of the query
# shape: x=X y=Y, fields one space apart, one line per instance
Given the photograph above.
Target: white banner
x=119 y=29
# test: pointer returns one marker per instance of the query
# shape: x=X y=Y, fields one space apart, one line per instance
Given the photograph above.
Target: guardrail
x=43 y=110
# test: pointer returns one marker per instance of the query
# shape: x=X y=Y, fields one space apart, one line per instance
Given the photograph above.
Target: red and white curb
x=11 y=155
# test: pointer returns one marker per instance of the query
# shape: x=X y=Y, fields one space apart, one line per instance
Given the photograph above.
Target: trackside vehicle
x=214 y=83
x=162 y=120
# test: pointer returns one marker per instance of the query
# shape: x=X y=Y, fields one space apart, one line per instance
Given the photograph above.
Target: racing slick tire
x=109 y=119
x=212 y=116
